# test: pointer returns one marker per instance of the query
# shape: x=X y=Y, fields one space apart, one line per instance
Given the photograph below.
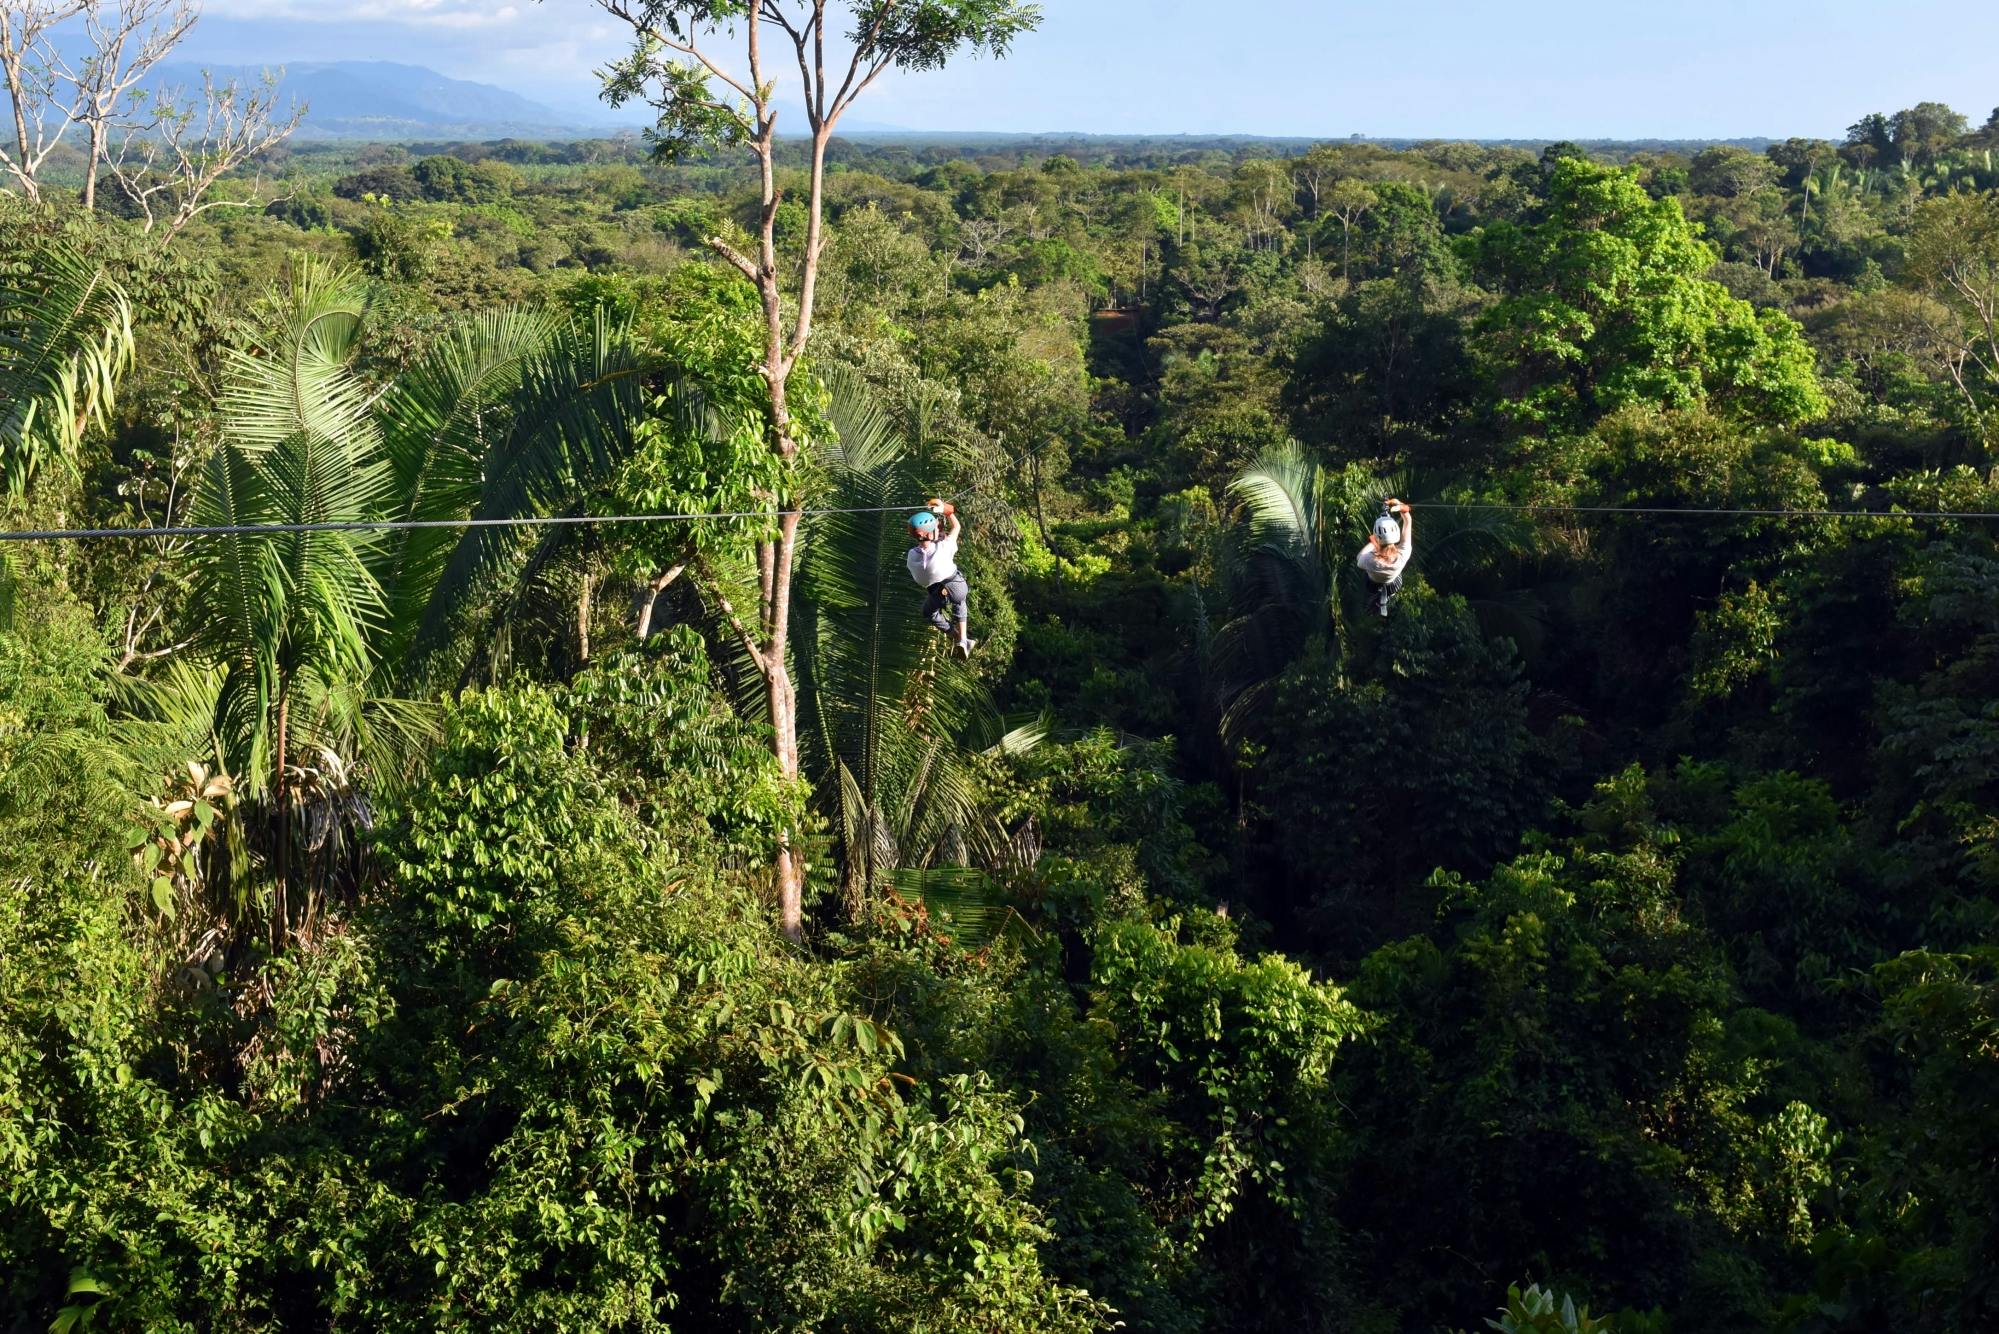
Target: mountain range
x=383 y=100
x=379 y=99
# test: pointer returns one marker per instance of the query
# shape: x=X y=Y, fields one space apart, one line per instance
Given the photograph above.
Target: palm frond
x=296 y=378
x=964 y=902
x=300 y=446
x=1281 y=584
x=185 y=705
x=65 y=341
x=388 y=737
x=237 y=612
x=568 y=425
x=440 y=420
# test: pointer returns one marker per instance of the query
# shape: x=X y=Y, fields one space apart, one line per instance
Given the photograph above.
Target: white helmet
x=1388 y=531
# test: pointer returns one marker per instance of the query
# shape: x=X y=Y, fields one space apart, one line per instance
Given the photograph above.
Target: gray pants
x=954 y=592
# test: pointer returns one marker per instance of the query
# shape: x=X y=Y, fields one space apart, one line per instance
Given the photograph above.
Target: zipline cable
x=561 y=520
x=1699 y=511
x=408 y=525
x=403 y=525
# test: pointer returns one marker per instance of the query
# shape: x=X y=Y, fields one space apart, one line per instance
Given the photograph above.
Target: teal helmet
x=924 y=524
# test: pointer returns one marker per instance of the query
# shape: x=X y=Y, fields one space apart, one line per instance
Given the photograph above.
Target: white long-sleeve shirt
x=1387 y=566
x=933 y=564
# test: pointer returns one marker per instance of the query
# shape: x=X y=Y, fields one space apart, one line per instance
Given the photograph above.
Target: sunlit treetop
x=705 y=99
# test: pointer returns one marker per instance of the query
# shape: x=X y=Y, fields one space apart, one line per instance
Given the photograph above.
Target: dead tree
x=126 y=41
x=41 y=90
x=170 y=168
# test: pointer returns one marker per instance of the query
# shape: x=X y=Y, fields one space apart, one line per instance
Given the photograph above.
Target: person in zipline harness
x=933 y=563
x=1389 y=549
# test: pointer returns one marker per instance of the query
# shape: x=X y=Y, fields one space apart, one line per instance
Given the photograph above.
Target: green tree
x=1938 y=1011
x=727 y=1081
x=288 y=619
x=1729 y=171
x=1954 y=251
x=1924 y=131
x=1799 y=159
x=1604 y=304
x=1419 y=757
x=310 y=635
x=448 y=179
x=1348 y=202
x=1217 y=401
x=1609 y=1101
x=66 y=340
x=1870 y=142
x=1385 y=371
x=672 y=70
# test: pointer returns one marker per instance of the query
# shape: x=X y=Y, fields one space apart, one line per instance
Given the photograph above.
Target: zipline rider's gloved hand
x=943 y=509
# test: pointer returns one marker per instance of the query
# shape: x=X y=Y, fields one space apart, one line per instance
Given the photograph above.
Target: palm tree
x=1289 y=578
x=517 y=413
x=290 y=619
x=1283 y=576
x=65 y=340
x=893 y=723
x=312 y=636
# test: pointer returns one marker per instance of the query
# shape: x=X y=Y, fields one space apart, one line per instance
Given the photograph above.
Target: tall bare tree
x=1953 y=249
x=127 y=39
x=169 y=167
x=1316 y=170
x=711 y=70
x=1349 y=200
x=42 y=93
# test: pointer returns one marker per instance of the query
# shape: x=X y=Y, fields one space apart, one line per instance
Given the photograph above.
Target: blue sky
x=1447 y=68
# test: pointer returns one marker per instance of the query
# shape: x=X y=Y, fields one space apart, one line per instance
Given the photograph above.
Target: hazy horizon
x=1429 y=69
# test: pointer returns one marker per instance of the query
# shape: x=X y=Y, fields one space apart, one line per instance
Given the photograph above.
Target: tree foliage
x=1605 y=304
x=1601 y=940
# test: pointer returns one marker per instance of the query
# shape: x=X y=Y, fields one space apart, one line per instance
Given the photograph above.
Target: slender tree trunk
x=90 y=171
x=25 y=167
x=280 y=912
x=583 y=619
x=1040 y=519
x=789 y=870
x=774 y=559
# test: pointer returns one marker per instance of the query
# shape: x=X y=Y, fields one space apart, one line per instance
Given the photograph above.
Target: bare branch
x=650 y=598
x=132 y=655
x=126 y=42
x=41 y=89
x=170 y=168
x=775 y=14
x=862 y=49
x=742 y=263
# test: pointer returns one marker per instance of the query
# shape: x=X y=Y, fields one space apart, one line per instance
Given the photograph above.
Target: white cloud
x=417 y=13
